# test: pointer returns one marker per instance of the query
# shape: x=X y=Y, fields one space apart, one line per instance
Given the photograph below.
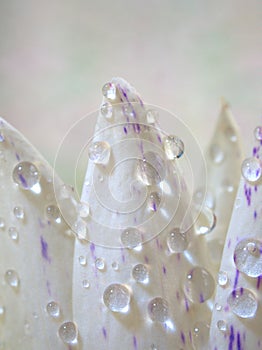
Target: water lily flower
x=158 y=253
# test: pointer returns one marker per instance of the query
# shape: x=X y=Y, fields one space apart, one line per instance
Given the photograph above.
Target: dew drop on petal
x=82 y=260
x=2 y=311
x=19 y=213
x=2 y=223
x=258 y=133
x=154 y=201
x=68 y=332
x=174 y=147
x=2 y=136
x=151 y=169
x=243 y=303
x=222 y=326
x=158 y=310
x=140 y=273
x=53 y=309
x=100 y=264
x=117 y=297
x=53 y=213
x=12 y=278
x=115 y=265
x=85 y=284
x=128 y=110
x=251 y=169
x=199 y=285
x=13 y=233
x=99 y=152
x=83 y=210
x=205 y=222
x=216 y=154
x=176 y=241
x=152 y=116
x=26 y=175
x=106 y=110
x=80 y=228
x=222 y=278
x=248 y=257
x=109 y=91
x=131 y=238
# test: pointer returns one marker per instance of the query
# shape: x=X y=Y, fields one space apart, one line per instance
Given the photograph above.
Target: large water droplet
x=222 y=278
x=99 y=152
x=199 y=285
x=174 y=147
x=154 y=201
x=243 y=303
x=109 y=91
x=176 y=241
x=53 y=309
x=53 y=213
x=216 y=154
x=19 y=213
x=12 y=278
x=13 y=233
x=258 y=133
x=151 y=169
x=117 y=297
x=68 y=332
x=222 y=326
x=26 y=175
x=140 y=273
x=131 y=238
x=100 y=264
x=205 y=222
x=106 y=110
x=248 y=257
x=158 y=309
x=151 y=116
x=251 y=169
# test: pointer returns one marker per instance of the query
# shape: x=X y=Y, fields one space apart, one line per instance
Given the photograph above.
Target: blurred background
x=180 y=55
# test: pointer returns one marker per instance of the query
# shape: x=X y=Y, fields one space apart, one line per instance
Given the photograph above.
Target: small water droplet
x=53 y=309
x=100 y=264
x=205 y=222
x=2 y=311
x=243 y=303
x=106 y=110
x=12 y=279
x=200 y=335
x=222 y=278
x=13 y=233
x=99 y=152
x=53 y=213
x=258 y=133
x=109 y=91
x=27 y=328
x=174 y=147
x=237 y=202
x=82 y=260
x=140 y=273
x=216 y=154
x=158 y=309
x=151 y=169
x=218 y=307
x=176 y=241
x=152 y=116
x=2 y=223
x=248 y=257
x=251 y=169
x=128 y=110
x=131 y=238
x=80 y=228
x=83 y=210
x=115 y=265
x=26 y=175
x=199 y=285
x=68 y=332
x=19 y=213
x=154 y=201
x=117 y=297
x=85 y=284
x=222 y=326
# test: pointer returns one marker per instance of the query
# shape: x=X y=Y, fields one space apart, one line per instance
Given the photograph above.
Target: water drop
x=216 y=154
x=85 y=284
x=174 y=147
x=140 y=273
x=176 y=241
x=68 y=332
x=27 y=328
x=200 y=335
x=151 y=169
x=205 y=222
x=158 y=309
x=131 y=238
x=26 y=175
x=222 y=326
x=53 y=309
x=243 y=303
x=109 y=91
x=12 y=279
x=99 y=152
x=100 y=264
x=218 y=307
x=2 y=223
x=248 y=257
x=13 y=233
x=199 y=285
x=222 y=278
x=251 y=169
x=2 y=311
x=128 y=110
x=80 y=228
x=19 y=213
x=83 y=210
x=151 y=116
x=53 y=213
x=258 y=133
x=154 y=201
x=82 y=260
x=106 y=110
x=117 y=297
x=115 y=265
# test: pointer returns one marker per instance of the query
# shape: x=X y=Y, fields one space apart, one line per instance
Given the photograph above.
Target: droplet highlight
x=154 y=201
x=82 y=260
x=12 y=278
x=117 y=297
x=13 y=233
x=109 y=91
x=19 y=213
x=152 y=116
x=53 y=214
x=151 y=169
x=216 y=154
x=222 y=326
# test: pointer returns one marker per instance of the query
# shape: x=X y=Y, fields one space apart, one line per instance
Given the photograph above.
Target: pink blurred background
x=180 y=55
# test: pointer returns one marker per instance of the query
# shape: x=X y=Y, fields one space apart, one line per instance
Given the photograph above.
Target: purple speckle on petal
x=134 y=342
x=44 y=250
x=164 y=270
x=182 y=336
x=201 y=298
x=48 y=287
x=23 y=181
x=17 y=156
x=258 y=281
x=238 y=341
x=236 y=278
x=125 y=130
x=104 y=332
x=186 y=305
x=92 y=248
x=231 y=338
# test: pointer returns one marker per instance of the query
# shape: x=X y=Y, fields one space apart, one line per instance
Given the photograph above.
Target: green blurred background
x=180 y=55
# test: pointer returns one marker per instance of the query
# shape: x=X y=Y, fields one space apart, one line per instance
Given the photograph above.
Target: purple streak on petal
x=254 y=151
x=178 y=256
x=48 y=287
x=17 y=156
x=177 y=295
x=201 y=298
x=146 y=259
x=140 y=101
x=186 y=304
x=92 y=248
x=229 y=243
x=258 y=281
x=231 y=338
x=123 y=255
x=255 y=188
x=190 y=336
x=23 y=181
x=164 y=270
x=134 y=342
x=159 y=138
x=238 y=341
x=182 y=336
x=125 y=130
x=236 y=278
x=104 y=332
x=255 y=214
x=44 y=250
